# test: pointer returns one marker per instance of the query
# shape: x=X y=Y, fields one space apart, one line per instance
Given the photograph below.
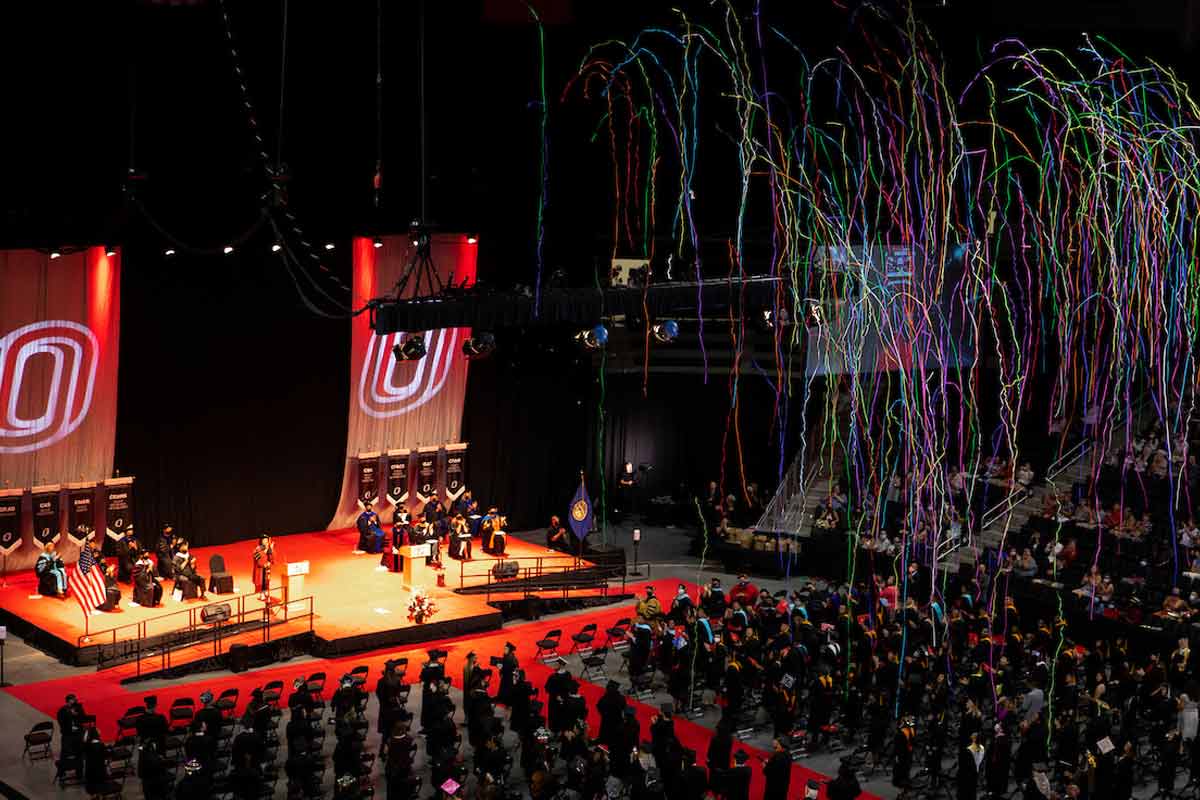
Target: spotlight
x=472 y=239
x=275 y=248
x=170 y=251
x=593 y=338
x=55 y=254
x=411 y=349
x=666 y=332
x=329 y=245
x=377 y=243
x=227 y=249
x=110 y=251
x=479 y=346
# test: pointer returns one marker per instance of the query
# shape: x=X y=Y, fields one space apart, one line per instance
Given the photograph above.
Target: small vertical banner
x=81 y=512
x=427 y=483
x=118 y=507
x=10 y=520
x=368 y=478
x=47 y=526
x=398 y=476
x=456 y=471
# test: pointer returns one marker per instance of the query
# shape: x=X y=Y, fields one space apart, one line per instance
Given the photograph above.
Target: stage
x=355 y=605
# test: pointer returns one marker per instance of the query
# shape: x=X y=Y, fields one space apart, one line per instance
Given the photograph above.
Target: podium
x=415 y=572
x=293 y=584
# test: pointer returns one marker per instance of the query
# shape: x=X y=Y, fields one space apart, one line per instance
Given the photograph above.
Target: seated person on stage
x=494 y=537
x=401 y=525
x=165 y=549
x=51 y=574
x=462 y=506
x=433 y=511
x=370 y=534
x=147 y=591
x=556 y=536
x=181 y=555
x=127 y=554
x=460 y=538
x=112 y=592
x=187 y=577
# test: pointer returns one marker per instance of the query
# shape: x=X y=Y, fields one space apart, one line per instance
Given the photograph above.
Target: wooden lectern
x=293 y=584
x=415 y=571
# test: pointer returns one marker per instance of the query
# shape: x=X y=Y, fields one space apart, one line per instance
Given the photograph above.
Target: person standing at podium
x=264 y=559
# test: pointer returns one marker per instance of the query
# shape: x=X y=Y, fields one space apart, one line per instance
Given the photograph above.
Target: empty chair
x=359 y=675
x=227 y=702
x=616 y=634
x=547 y=647
x=181 y=714
x=593 y=664
x=583 y=640
x=37 y=741
x=127 y=725
x=272 y=692
x=219 y=581
x=316 y=685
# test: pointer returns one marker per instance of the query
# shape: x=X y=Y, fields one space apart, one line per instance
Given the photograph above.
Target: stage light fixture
x=479 y=346
x=110 y=251
x=593 y=338
x=666 y=332
x=227 y=249
x=329 y=245
x=275 y=248
x=472 y=239
x=411 y=349
x=55 y=254
x=170 y=251
x=377 y=243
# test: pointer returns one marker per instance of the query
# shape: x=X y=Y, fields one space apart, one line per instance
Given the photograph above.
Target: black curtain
x=526 y=419
x=232 y=406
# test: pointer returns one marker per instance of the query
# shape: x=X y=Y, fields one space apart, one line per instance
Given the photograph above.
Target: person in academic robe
x=903 y=754
x=147 y=591
x=51 y=574
x=127 y=555
x=370 y=532
x=188 y=578
x=423 y=532
x=970 y=763
x=112 y=590
x=264 y=559
x=737 y=780
x=508 y=673
x=497 y=538
x=460 y=538
x=463 y=504
x=999 y=762
x=165 y=550
x=556 y=536
x=401 y=525
x=778 y=773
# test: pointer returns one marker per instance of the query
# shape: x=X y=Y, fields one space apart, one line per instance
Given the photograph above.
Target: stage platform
x=355 y=605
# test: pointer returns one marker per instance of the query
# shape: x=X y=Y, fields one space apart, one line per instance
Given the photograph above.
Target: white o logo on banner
x=389 y=388
x=74 y=351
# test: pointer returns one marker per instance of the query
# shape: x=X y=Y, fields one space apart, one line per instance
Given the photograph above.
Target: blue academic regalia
x=370 y=536
x=50 y=566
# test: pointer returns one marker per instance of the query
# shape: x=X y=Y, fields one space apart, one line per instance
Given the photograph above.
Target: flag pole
x=578 y=540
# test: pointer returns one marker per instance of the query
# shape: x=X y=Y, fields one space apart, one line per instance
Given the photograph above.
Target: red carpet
x=105 y=697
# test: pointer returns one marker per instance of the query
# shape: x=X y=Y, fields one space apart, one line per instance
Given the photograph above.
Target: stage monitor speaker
x=506 y=569
x=217 y=612
x=239 y=657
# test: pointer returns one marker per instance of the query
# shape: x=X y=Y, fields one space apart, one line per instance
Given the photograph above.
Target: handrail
x=575 y=564
x=268 y=611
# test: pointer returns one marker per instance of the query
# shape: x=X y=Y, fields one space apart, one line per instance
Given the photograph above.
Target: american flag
x=87 y=581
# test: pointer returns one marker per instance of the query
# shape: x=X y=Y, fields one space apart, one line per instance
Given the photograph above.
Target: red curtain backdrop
x=59 y=337
x=402 y=404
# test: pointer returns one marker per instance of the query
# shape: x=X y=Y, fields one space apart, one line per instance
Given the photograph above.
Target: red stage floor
x=352 y=595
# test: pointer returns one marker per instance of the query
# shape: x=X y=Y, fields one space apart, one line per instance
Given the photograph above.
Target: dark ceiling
x=96 y=89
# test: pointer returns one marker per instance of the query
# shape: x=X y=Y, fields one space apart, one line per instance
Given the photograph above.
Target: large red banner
x=402 y=404
x=59 y=337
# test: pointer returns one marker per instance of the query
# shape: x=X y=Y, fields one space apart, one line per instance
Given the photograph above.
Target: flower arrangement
x=421 y=607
